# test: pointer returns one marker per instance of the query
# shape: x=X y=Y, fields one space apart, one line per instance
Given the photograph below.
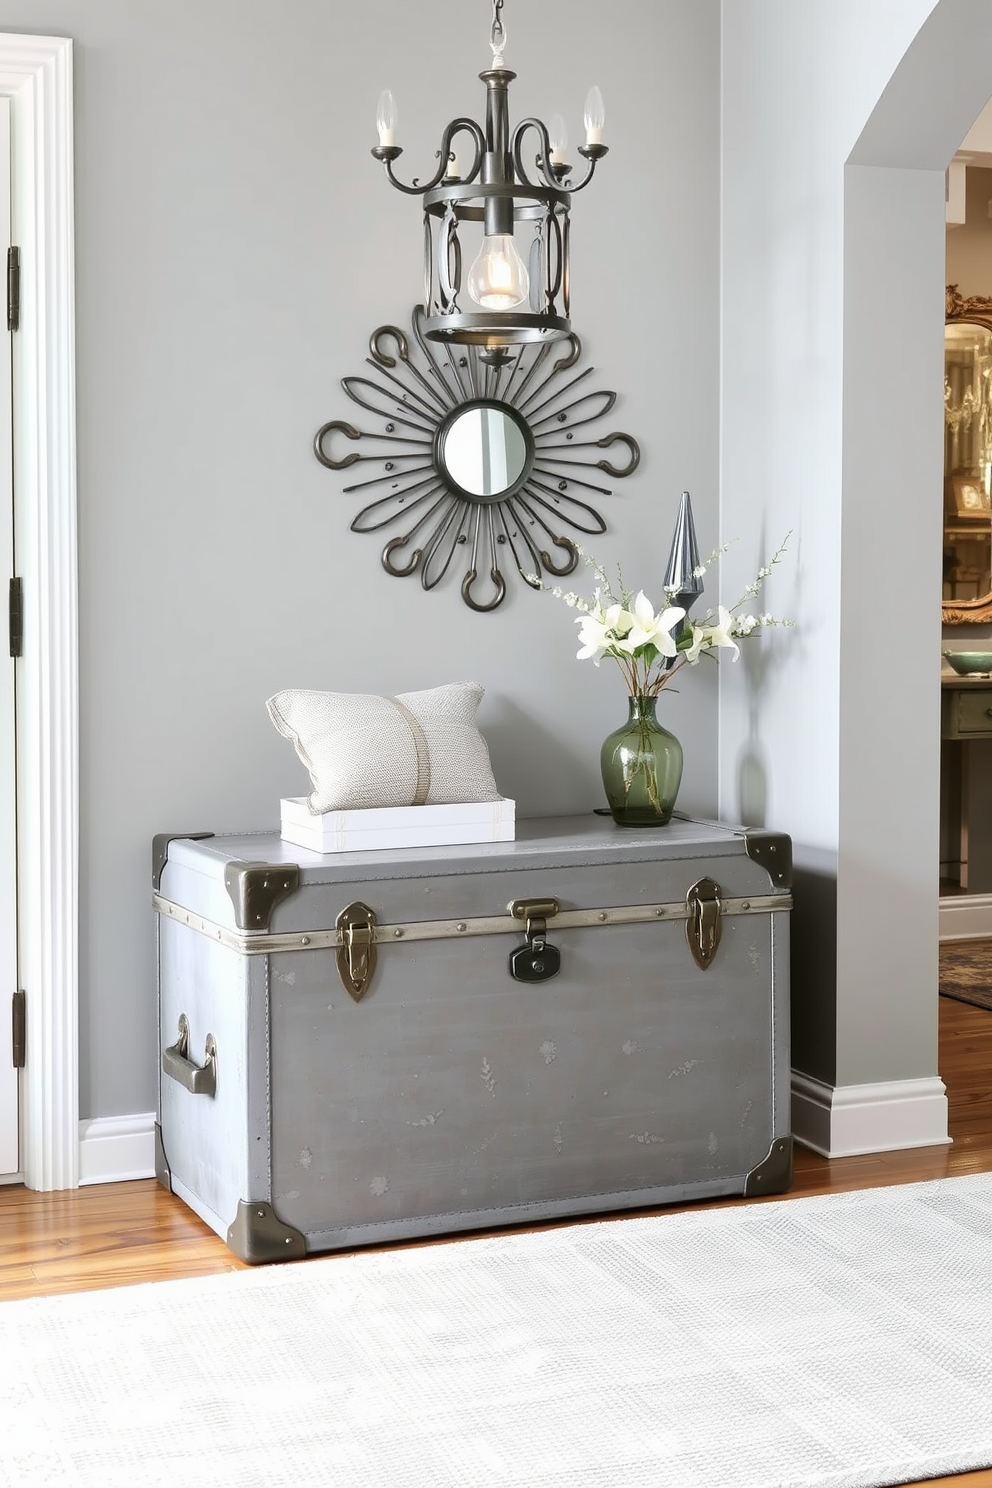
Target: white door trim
x=36 y=74
x=9 y=1081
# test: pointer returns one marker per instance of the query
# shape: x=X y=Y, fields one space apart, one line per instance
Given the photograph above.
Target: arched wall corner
x=833 y=278
x=893 y=315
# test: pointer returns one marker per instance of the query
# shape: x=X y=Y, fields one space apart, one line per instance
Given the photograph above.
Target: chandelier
x=481 y=200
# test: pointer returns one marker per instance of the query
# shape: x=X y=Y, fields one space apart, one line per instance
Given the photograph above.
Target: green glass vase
x=642 y=768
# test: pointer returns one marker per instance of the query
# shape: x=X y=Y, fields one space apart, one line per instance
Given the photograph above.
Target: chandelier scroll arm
x=388 y=153
x=543 y=159
x=593 y=154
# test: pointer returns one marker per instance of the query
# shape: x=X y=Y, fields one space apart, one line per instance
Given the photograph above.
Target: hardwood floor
x=114 y=1234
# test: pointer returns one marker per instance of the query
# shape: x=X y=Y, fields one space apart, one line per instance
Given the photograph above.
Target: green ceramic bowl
x=968 y=663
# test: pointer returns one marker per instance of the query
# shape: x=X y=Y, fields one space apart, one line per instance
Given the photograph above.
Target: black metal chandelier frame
x=497 y=191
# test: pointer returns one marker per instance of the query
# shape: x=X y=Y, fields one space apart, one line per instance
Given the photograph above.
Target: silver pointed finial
x=681 y=581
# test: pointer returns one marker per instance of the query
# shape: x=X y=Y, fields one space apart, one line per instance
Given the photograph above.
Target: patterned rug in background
x=966 y=971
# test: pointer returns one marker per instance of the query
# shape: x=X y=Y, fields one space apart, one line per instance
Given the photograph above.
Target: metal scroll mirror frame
x=487 y=454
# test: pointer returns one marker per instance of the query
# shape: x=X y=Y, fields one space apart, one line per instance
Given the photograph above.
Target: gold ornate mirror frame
x=960 y=311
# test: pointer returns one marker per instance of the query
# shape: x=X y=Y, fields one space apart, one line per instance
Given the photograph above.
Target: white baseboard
x=965 y=916
x=841 y=1121
x=848 y=1120
x=113 y=1149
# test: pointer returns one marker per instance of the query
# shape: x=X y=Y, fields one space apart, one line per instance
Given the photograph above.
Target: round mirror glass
x=484 y=451
x=967 y=462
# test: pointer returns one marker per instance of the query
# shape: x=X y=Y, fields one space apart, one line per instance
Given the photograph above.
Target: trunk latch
x=535 y=961
x=355 y=954
x=702 y=926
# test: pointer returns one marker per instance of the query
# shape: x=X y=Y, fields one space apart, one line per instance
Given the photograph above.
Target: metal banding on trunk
x=247 y=944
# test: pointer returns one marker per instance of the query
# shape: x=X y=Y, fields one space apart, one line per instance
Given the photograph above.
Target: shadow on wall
x=530 y=760
x=760 y=660
x=814 y=964
x=752 y=776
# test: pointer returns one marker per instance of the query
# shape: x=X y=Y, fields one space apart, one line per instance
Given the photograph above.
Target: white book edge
x=399 y=837
x=294 y=809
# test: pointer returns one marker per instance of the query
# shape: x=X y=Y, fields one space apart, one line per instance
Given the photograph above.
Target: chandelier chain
x=497 y=37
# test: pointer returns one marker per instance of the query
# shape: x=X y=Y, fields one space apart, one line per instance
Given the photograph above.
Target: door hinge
x=16 y=617
x=18 y=1028
x=13 y=289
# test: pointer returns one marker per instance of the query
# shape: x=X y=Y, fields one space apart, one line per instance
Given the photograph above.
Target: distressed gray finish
x=453 y=1097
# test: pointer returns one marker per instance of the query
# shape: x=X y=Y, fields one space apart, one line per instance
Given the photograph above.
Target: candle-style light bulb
x=594 y=117
x=558 y=138
x=386 y=118
x=498 y=279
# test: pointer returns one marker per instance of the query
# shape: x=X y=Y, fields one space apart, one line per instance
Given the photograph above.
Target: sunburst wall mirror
x=489 y=454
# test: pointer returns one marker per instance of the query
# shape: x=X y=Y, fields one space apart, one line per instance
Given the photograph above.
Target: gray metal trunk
x=377 y=1046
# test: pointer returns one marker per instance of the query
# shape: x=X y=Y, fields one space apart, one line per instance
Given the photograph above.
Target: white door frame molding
x=36 y=74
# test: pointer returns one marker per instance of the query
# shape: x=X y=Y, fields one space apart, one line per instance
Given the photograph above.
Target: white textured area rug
x=833 y=1341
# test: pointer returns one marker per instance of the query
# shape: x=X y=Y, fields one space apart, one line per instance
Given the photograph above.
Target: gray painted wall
x=235 y=247
x=828 y=174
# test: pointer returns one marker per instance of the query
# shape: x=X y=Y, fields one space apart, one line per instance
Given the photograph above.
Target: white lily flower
x=594 y=638
x=718 y=634
x=649 y=629
x=617 y=619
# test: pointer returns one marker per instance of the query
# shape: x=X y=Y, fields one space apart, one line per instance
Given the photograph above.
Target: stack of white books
x=380 y=827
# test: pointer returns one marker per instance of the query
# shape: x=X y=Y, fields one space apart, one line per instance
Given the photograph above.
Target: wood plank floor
x=115 y=1234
